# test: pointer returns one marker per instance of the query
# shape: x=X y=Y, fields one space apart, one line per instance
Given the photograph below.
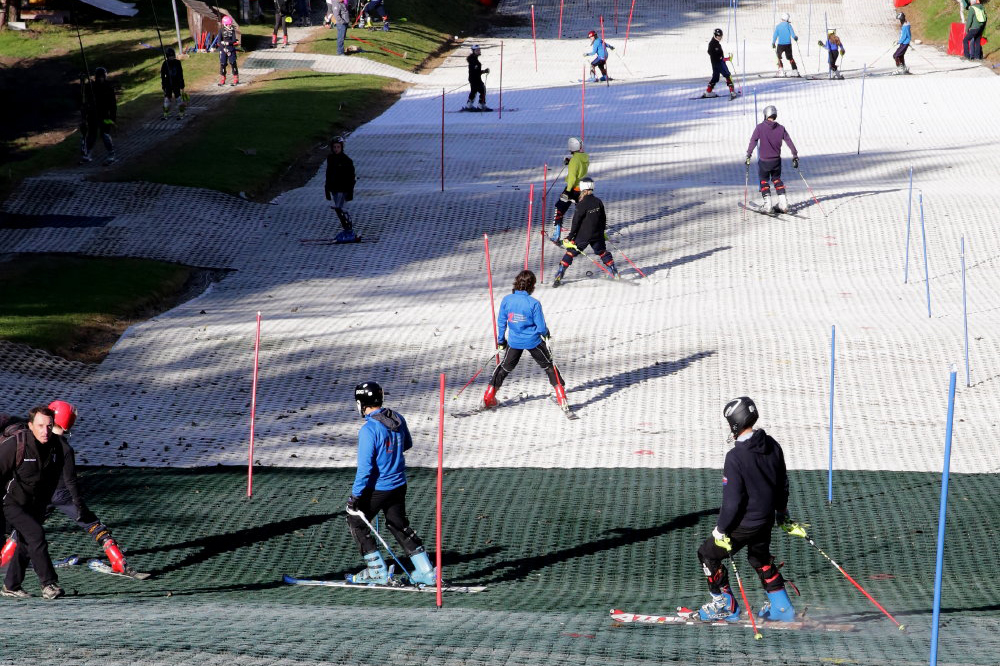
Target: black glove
x=502 y=345
x=566 y=161
x=85 y=515
x=843 y=52
x=795 y=163
x=352 y=504
x=748 y=160
x=795 y=38
x=486 y=71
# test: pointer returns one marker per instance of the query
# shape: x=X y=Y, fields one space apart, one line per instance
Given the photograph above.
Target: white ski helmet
x=785 y=17
x=574 y=144
x=476 y=49
x=586 y=184
x=770 y=111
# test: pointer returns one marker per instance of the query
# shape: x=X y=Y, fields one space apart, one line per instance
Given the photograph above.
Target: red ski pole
x=619 y=251
x=489 y=275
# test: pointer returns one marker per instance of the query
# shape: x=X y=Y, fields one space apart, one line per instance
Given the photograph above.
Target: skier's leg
x=562 y=205
x=723 y=605
x=507 y=365
x=235 y=68
x=778 y=607
x=601 y=250
x=359 y=531
x=543 y=357
x=764 y=174
x=716 y=73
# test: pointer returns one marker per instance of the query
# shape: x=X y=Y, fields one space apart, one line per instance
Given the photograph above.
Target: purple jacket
x=770 y=134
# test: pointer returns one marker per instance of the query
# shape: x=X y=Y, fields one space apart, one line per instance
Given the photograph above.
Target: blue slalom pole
x=939 y=566
x=736 y=27
x=965 y=318
x=861 y=113
x=909 y=210
x=755 y=116
x=833 y=367
x=927 y=277
x=729 y=17
x=809 y=29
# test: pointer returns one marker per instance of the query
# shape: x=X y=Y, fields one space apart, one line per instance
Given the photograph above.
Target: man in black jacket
x=754 y=497
x=589 y=224
x=100 y=113
x=32 y=460
x=719 y=68
x=476 y=85
x=339 y=188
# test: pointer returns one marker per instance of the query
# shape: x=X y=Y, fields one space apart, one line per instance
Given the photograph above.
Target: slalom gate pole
x=833 y=368
x=861 y=110
x=442 y=139
x=942 y=514
x=923 y=233
x=736 y=27
x=965 y=316
x=541 y=227
x=527 y=236
x=809 y=32
x=583 y=99
x=493 y=307
x=561 y=2
x=253 y=406
x=489 y=358
x=500 y=107
x=909 y=211
x=628 y=26
x=848 y=577
x=625 y=256
x=534 y=43
x=361 y=515
x=608 y=78
x=440 y=486
x=746 y=604
x=811 y=193
x=616 y=17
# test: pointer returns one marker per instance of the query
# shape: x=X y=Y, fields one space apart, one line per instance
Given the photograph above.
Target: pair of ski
x=686 y=616
x=774 y=212
x=714 y=95
x=566 y=410
x=395 y=586
x=334 y=241
x=99 y=566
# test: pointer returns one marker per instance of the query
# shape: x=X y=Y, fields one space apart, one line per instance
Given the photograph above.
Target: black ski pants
x=97 y=127
x=832 y=59
x=758 y=544
x=786 y=50
x=900 y=55
x=511 y=358
x=770 y=172
x=392 y=503
x=562 y=205
x=477 y=86
x=32 y=547
x=596 y=245
x=228 y=55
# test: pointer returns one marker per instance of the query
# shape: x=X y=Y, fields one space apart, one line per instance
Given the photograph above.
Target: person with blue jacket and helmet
x=598 y=49
x=521 y=326
x=781 y=40
x=380 y=485
x=905 y=36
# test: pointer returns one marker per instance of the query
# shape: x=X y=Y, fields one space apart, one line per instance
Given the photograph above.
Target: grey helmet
x=741 y=414
x=574 y=144
x=770 y=111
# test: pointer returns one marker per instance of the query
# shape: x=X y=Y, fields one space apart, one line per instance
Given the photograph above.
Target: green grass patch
x=932 y=21
x=76 y=306
x=248 y=144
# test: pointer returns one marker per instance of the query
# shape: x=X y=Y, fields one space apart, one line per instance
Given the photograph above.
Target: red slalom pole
x=628 y=27
x=559 y=36
x=527 y=240
x=533 y=42
x=500 y=108
x=583 y=99
x=440 y=486
x=442 y=139
x=541 y=229
x=253 y=406
x=602 y=27
x=493 y=307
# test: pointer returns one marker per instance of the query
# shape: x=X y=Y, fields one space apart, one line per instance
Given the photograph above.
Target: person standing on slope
x=835 y=49
x=781 y=40
x=339 y=188
x=719 y=68
x=577 y=164
x=476 y=84
x=590 y=222
x=229 y=39
x=770 y=135
x=904 y=43
x=598 y=49
x=172 y=83
x=754 y=498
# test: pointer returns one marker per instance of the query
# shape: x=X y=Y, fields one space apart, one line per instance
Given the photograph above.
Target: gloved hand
x=820 y=43
x=569 y=245
x=547 y=335
x=108 y=121
x=795 y=162
x=773 y=46
x=721 y=540
x=843 y=52
x=486 y=71
x=586 y=54
x=748 y=160
x=566 y=161
x=502 y=345
x=791 y=527
x=796 y=38
x=352 y=505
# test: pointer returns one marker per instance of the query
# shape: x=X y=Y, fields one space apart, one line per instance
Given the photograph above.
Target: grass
x=65 y=304
x=932 y=21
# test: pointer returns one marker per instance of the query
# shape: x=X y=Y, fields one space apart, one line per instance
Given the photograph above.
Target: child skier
x=754 y=499
x=172 y=82
x=598 y=49
x=100 y=113
x=282 y=17
x=835 y=49
x=371 y=7
x=904 y=43
x=771 y=135
x=719 y=68
x=340 y=180
x=577 y=164
x=476 y=84
x=590 y=222
x=229 y=39
x=781 y=40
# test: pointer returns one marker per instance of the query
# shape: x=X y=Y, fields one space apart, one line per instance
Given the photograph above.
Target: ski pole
x=623 y=62
x=555 y=179
x=799 y=171
x=846 y=575
x=478 y=372
x=594 y=261
x=746 y=192
x=361 y=515
x=803 y=60
x=619 y=251
x=739 y=581
x=872 y=64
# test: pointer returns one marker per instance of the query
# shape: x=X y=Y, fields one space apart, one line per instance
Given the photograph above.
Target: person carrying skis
x=476 y=84
x=835 y=49
x=781 y=40
x=340 y=180
x=577 y=164
x=754 y=499
x=282 y=17
x=719 y=68
x=770 y=135
x=172 y=83
x=100 y=110
x=229 y=39
x=521 y=326
x=590 y=222
x=598 y=49
x=380 y=485
x=904 y=43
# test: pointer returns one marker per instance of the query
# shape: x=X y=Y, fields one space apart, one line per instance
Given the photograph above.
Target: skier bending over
x=781 y=40
x=577 y=164
x=228 y=41
x=476 y=84
x=380 y=485
x=719 y=68
x=904 y=43
x=371 y=7
x=835 y=49
x=521 y=319
x=340 y=180
x=172 y=83
x=590 y=222
x=754 y=498
x=598 y=49
x=770 y=135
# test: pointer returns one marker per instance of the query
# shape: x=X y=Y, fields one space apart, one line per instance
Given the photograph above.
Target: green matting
x=556 y=548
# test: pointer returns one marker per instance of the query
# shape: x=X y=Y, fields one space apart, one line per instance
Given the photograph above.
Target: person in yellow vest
x=577 y=164
x=975 y=25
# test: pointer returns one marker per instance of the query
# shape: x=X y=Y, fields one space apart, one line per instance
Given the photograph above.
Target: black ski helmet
x=169 y=52
x=367 y=395
x=901 y=17
x=718 y=32
x=100 y=73
x=741 y=414
x=337 y=139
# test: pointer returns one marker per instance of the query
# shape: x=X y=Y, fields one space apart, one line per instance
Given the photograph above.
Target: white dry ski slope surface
x=732 y=306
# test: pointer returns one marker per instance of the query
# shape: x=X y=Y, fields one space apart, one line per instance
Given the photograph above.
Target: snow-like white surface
x=733 y=306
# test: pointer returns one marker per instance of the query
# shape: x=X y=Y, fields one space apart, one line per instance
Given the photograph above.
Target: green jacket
x=975 y=17
x=578 y=165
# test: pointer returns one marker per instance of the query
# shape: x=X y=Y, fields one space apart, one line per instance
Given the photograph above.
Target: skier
x=31 y=463
x=172 y=82
x=781 y=40
x=904 y=43
x=521 y=320
x=577 y=164
x=371 y=7
x=771 y=134
x=589 y=225
x=598 y=49
x=229 y=39
x=476 y=84
x=100 y=109
x=754 y=498
x=340 y=180
x=282 y=17
x=68 y=499
x=835 y=49
x=380 y=485
x=719 y=68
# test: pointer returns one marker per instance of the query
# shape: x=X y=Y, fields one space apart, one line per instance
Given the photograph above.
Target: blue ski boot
x=557 y=280
x=723 y=606
x=346 y=236
x=423 y=573
x=778 y=607
x=375 y=573
x=556 y=233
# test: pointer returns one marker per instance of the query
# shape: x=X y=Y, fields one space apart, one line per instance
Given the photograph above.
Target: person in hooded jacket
x=590 y=224
x=770 y=135
x=340 y=180
x=172 y=83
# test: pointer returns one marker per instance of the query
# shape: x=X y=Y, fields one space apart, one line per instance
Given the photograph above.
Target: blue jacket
x=784 y=33
x=599 y=49
x=904 y=34
x=522 y=314
x=381 y=443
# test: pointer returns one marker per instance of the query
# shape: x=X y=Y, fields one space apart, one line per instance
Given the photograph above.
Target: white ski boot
x=766 y=204
x=782 y=204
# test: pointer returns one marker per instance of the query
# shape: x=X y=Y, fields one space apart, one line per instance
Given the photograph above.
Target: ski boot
x=375 y=573
x=483 y=107
x=796 y=73
x=777 y=608
x=236 y=80
x=8 y=551
x=385 y=25
x=114 y=554
x=286 y=40
x=603 y=79
x=766 y=204
x=782 y=206
x=732 y=94
x=469 y=106
x=110 y=159
x=592 y=79
x=780 y=73
x=556 y=233
x=838 y=75
x=557 y=280
x=86 y=158
x=490 y=397
x=274 y=41
x=346 y=236
x=166 y=113
x=708 y=93
x=368 y=22
x=614 y=271
x=723 y=606
x=423 y=573
x=222 y=80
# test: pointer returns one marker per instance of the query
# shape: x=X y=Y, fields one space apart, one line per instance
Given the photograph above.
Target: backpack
x=15 y=426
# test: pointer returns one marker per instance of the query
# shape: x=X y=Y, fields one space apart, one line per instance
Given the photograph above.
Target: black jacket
x=99 y=100
x=172 y=75
x=754 y=484
x=475 y=68
x=715 y=51
x=31 y=484
x=340 y=175
x=589 y=221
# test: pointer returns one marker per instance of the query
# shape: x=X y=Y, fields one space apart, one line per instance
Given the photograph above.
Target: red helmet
x=591 y=34
x=65 y=414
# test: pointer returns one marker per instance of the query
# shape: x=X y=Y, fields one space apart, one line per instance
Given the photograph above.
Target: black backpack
x=15 y=426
